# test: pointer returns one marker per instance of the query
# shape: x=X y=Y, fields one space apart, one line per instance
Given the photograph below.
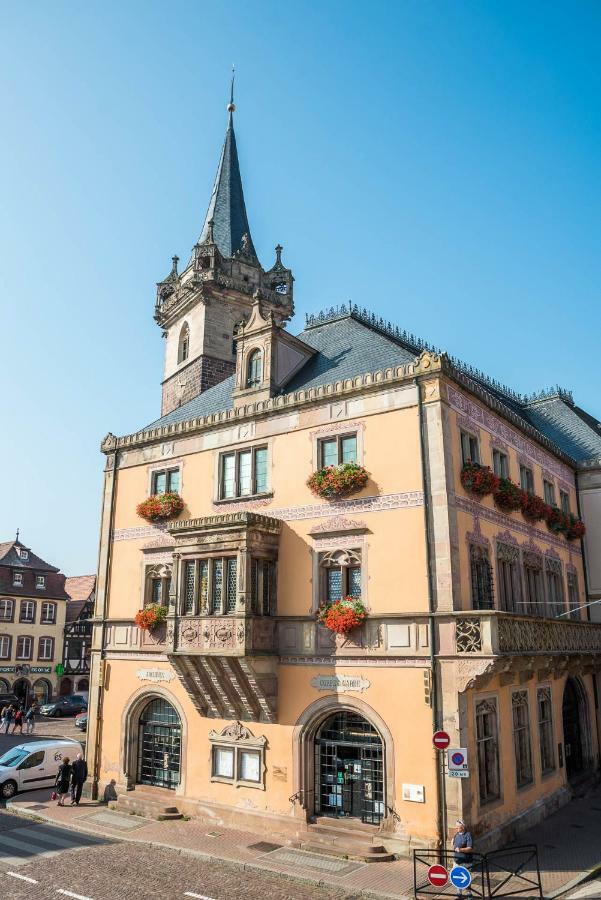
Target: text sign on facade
x=154 y=675
x=340 y=683
x=458 y=773
x=414 y=792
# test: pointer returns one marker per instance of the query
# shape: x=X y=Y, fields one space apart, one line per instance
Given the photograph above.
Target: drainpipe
x=441 y=812
x=107 y=568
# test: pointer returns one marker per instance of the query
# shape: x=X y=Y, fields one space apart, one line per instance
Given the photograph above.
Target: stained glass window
x=189 y=586
x=231 y=585
x=204 y=586
x=217 y=585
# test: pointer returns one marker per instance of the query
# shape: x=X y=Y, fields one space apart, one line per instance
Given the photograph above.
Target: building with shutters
x=32 y=618
x=240 y=706
x=77 y=644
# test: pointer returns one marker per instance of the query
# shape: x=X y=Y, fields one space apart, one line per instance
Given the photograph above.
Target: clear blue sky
x=438 y=162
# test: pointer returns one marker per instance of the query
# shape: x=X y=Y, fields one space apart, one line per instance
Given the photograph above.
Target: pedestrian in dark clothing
x=463 y=851
x=8 y=718
x=18 y=723
x=78 y=777
x=30 y=717
x=63 y=780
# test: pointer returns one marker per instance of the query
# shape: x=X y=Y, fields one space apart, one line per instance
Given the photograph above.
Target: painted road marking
x=22 y=877
x=197 y=896
x=71 y=894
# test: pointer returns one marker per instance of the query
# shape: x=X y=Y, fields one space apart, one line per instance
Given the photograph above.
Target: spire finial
x=231 y=107
x=17 y=537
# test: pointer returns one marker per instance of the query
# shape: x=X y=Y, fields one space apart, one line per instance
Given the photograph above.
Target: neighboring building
x=81 y=590
x=32 y=619
x=473 y=620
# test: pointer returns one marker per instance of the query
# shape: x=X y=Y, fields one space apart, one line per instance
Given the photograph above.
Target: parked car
x=9 y=700
x=65 y=706
x=81 y=721
x=33 y=765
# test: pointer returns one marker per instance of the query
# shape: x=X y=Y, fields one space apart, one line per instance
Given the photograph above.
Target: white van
x=33 y=765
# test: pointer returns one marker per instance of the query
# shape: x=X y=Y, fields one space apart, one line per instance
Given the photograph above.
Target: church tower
x=200 y=308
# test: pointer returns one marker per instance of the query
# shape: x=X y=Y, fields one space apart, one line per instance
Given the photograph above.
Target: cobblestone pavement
x=44 y=728
x=127 y=871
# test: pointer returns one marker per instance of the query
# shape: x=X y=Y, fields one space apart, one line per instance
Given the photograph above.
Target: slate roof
x=353 y=342
x=10 y=557
x=226 y=206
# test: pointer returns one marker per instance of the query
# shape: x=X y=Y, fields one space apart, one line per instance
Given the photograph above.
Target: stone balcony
x=493 y=633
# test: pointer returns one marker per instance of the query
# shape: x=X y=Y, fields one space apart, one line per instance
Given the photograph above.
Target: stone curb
x=210 y=857
x=580 y=879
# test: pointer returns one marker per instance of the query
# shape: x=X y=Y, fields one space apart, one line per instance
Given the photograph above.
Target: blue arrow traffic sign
x=460 y=877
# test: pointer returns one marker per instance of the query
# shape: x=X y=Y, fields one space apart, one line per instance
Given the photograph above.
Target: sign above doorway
x=340 y=683
x=155 y=675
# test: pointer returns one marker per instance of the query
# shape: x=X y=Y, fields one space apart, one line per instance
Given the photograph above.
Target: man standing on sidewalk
x=80 y=773
x=463 y=849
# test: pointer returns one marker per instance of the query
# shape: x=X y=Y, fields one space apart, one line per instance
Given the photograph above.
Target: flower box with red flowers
x=151 y=616
x=534 y=508
x=576 y=528
x=480 y=480
x=159 y=507
x=508 y=496
x=557 y=520
x=342 y=616
x=338 y=481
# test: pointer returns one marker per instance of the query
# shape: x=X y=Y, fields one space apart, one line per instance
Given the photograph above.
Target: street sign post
x=460 y=877
x=441 y=740
x=438 y=876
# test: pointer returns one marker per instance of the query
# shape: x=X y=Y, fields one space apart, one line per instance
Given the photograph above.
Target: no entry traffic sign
x=438 y=876
x=441 y=740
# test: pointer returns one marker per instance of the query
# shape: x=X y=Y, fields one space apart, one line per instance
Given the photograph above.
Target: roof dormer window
x=255 y=369
x=23 y=553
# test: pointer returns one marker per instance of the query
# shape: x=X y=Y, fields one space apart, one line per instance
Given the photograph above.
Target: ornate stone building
x=240 y=707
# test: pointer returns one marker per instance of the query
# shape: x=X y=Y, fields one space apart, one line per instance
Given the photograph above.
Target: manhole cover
x=265 y=847
x=307 y=860
x=37 y=806
x=114 y=820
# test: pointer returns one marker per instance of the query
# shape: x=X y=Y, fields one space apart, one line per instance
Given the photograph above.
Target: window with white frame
x=24 y=647
x=7 y=608
x=521 y=738
x=23 y=553
x=48 y=613
x=337 y=449
x=526 y=479
x=549 y=492
x=40 y=582
x=340 y=575
x=243 y=473
x=500 y=463
x=5 y=646
x=238 y=757
x=46 y=648
x=545 y=729
x=17 y=579
x=487 y=750
x=27 y=611
x=165 y=481
x=470 y=448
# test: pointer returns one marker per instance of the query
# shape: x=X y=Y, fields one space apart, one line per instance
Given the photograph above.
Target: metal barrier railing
x=496 y=875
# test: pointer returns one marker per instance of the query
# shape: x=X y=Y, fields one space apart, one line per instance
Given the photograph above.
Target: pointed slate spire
x=227 y=211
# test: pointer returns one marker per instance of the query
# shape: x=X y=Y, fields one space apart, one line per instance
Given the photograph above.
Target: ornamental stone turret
x=200 y=308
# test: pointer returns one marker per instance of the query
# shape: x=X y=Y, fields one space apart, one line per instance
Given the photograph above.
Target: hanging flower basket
x=508 y=495
x=148 y=618
x=576 y=528
x=557 y=521
x=338 y=481
x=159 y=507
x=534 y=508
x=342 y=615
x=479 y=480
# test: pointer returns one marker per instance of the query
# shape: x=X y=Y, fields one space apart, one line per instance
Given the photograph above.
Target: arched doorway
x=4 y=686
x=349 y=768
x=576 y=736
x=42 y=690
x=66 y=687
x=21 y=689
x=159 y=745
x=83 y=684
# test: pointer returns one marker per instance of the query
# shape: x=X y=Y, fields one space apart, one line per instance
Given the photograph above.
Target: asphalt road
x=39 y=861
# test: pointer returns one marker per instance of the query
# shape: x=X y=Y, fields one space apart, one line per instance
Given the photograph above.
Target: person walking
x=3 y=715
x=9 y=716
x=30 y=718
x=78 y=777
x=63 y=780
x=18 y=721
x=463 y=852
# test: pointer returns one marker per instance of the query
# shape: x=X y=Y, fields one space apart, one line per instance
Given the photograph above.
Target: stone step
x=344 y=824
x=145 y=805
x=341 y=832
x=350 y=850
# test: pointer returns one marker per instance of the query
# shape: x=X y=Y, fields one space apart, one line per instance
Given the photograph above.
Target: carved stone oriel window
x=238 y=757
x=468 y=636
